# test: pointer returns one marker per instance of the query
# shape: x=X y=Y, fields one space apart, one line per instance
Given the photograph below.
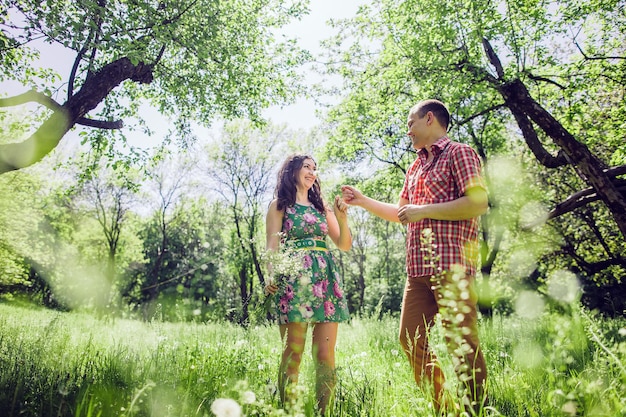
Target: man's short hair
x=436 y=107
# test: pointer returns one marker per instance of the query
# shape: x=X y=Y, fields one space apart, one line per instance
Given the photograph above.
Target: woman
x=298 y=220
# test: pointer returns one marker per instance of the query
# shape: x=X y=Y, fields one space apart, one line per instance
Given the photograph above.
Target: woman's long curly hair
x=285 y=191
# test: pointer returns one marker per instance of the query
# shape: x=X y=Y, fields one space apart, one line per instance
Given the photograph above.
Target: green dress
x=315 y=295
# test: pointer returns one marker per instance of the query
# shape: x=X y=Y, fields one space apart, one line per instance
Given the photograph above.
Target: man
x=442 y=198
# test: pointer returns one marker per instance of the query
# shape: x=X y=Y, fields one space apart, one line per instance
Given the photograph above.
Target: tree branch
x=534 y=144
x=33 y=96
x=543 y=79
x=101 y=124
x=583 y=197
x=595 y=58
x=95 y=89
x=493 y=58
x=30 y=96
x=481 y=113
x=588 y=166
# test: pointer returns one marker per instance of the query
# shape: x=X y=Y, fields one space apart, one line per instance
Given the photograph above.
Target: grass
x=569 y=363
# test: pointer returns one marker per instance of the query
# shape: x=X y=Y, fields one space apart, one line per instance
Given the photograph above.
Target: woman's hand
x=270 y=289
x=340 y=208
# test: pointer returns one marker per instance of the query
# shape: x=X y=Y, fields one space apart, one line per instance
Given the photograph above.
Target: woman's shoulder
x=273 y=207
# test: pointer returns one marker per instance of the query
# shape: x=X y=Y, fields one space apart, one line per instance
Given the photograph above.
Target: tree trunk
x=588 y=166
x=360 y=279
x=245 y=297
x=518 y=99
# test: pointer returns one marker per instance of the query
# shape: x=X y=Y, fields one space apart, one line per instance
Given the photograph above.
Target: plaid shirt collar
x=437 y=147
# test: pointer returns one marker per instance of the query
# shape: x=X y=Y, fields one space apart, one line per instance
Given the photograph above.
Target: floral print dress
x=315 y=295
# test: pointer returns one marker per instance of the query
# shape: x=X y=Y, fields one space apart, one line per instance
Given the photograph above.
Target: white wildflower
x=569 y=408
x=226 y=407
x=271 y=388
x=248 y=397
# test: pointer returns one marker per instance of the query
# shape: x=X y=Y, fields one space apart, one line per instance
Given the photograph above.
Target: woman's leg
x=293 y=336
x=324 y=341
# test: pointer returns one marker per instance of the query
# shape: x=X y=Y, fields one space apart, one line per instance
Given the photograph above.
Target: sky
x=310 y=31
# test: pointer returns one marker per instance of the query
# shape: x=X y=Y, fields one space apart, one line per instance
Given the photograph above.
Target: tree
x=188 y=284
x=532 y=71
x=387 y=255
x=169 y=180
x=108 y=193
x=374 y=268
x=240 y=166
x=58 y=247
x=190 y=59
x=16 y=219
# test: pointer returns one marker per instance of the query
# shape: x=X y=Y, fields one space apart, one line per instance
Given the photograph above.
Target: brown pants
x=455 y=299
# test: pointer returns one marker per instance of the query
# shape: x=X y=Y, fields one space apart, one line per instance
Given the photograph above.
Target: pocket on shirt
x=438 y=187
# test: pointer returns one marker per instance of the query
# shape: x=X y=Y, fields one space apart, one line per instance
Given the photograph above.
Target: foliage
x=187 y=286
x=375 y=266
x=15 y=214
x=567 y=55
x=178 y=249
x=191 y=61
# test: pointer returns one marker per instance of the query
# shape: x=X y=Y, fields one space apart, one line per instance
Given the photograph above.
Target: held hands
x=408 y=213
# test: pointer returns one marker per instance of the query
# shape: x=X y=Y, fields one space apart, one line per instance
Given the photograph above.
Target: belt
x=311 y=244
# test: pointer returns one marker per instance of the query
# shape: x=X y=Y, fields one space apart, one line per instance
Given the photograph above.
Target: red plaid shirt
x=435 y=246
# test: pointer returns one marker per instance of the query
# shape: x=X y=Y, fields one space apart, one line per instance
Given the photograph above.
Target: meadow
x=563 y=362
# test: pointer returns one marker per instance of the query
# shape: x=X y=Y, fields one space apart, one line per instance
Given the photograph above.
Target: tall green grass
x=69 y=364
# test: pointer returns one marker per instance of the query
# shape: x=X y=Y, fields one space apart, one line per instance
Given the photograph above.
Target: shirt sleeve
x=467 y=169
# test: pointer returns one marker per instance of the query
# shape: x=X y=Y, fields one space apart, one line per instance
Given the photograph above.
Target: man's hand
x=351 y=195
x=410 y=213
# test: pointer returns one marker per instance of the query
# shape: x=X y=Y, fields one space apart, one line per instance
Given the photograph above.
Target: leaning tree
x=548 y=75
x=189 y=59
